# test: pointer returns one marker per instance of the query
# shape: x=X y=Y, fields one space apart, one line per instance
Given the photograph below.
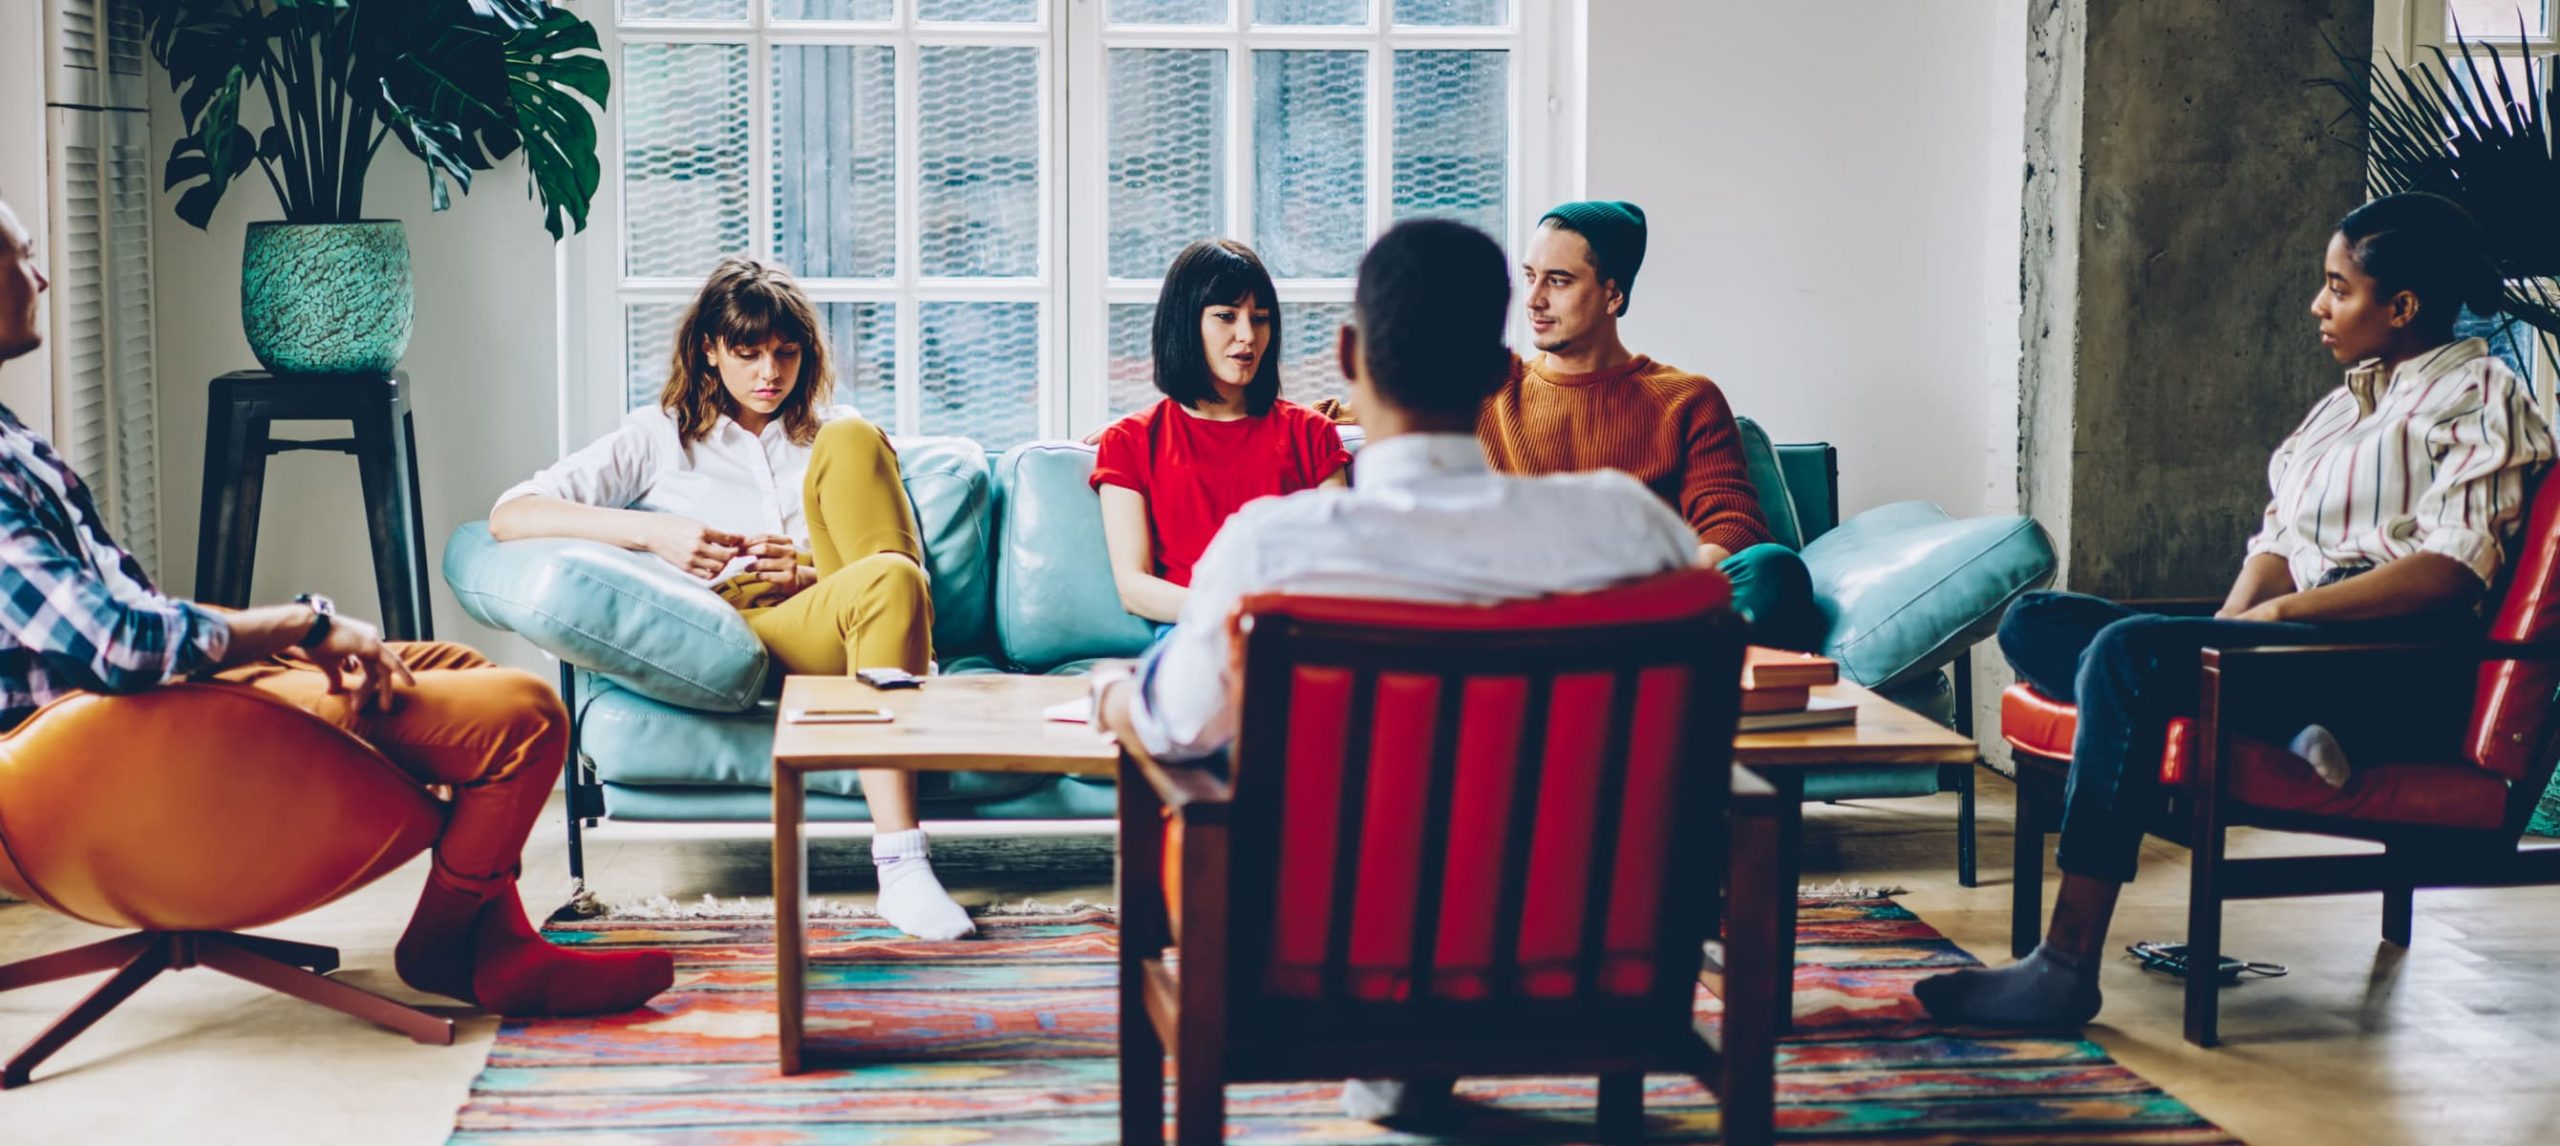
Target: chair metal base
x=295 y=969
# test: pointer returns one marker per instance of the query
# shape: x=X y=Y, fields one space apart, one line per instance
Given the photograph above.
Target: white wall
x=1833 y=192
x=482 y=363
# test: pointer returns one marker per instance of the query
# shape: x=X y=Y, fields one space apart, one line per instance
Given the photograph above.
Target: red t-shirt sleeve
x=1121 y=457
x=1319 y=445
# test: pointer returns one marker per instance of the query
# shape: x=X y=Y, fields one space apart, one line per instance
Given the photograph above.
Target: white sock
x=910 y=896
x=2317 y=745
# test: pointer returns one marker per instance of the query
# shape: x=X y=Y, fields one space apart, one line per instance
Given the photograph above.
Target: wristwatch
x=323 y=612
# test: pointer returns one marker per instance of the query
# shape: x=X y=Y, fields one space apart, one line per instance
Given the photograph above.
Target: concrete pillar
x=2181 y=184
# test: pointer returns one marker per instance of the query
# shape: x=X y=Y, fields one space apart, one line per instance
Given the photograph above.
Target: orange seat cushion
x=2446 y=794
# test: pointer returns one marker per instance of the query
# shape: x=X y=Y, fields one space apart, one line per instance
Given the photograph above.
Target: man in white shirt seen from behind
x=1425 y=519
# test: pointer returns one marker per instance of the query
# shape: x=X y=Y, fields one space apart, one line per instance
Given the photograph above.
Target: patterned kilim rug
x=1009 y=1040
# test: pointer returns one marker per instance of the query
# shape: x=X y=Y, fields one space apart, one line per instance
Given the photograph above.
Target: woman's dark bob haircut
x=1212 y=272
x=2429 y=246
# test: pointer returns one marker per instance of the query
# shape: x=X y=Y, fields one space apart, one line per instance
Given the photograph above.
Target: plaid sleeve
x=58 y=608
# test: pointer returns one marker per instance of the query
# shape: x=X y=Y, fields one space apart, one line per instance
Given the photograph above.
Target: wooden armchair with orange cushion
x=1452 y=841
x=190 y=813
x=2453 y=744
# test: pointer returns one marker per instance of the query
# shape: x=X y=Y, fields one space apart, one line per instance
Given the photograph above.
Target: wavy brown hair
x=744 y=303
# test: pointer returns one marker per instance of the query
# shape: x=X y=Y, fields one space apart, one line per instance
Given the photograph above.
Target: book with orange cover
x=1778 y=668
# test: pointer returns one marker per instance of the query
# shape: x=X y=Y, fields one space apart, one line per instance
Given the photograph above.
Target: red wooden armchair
x=2453 y=745
x=1453 y=841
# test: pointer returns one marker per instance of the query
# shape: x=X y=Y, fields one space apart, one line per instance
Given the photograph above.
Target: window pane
x=648 y=339
x=1168 y=11
x=1309 y=369
x=684 y=9
x=1131 y=371
x=981 y=370
x=1446 y=13
x=684 y=134
x=835 y=177
x=979 y=11
x=978 y=201
x=863 y=337
x=1453 y=137
x=1168 y=154
x=2495 y=20
x=1310 y=199
x=1311 y=11
x=868 y=10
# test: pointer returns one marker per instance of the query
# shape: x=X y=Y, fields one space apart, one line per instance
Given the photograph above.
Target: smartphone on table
x=839 y=716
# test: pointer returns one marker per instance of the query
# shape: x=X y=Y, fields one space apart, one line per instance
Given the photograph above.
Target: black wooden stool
x=238 y=413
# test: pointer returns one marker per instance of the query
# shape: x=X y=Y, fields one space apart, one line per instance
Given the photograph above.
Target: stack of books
x=1777 y=691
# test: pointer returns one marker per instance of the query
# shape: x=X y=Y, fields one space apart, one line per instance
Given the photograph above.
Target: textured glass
x=1453 y=137
x=649 y=344
x=835 y=175
x=1311 y=11
x=684 y=9
x=869 y=11
x=1309 y=368
x=1168 y=11
x=1453 y=13
x=684 y=159
x=978 y=183
x=979 y=370
x=979 y=11
x=1168 y=152
x=863 y=337
x=2495 y=20
x=1310 y=194
x=1131 y=371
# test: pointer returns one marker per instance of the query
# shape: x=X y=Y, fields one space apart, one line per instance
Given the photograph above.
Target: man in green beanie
x=1584 y=402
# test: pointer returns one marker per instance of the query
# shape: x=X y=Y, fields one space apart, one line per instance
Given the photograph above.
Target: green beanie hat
x=1615 y=230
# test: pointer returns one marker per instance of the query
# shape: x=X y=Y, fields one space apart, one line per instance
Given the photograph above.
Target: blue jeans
x=2128 y=672
x=1774 y=595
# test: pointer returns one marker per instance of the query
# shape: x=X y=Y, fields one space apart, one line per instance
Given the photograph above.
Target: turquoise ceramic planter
x=327 y=298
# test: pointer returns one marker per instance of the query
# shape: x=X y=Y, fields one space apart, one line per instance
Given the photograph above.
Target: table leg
x=1790 y=848
x=790 y=912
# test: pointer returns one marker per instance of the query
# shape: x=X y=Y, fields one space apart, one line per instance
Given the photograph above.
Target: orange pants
x=497 y=736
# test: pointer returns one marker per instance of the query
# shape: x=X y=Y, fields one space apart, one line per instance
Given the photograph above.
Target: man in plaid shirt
x=78 y=614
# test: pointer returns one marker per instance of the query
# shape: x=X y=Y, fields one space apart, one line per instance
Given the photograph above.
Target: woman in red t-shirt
x=1170 y=474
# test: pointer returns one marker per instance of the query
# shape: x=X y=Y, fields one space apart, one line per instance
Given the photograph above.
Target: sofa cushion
x=628 y=615
x=1055 y=601
x=1906 y=587
x=954 y=495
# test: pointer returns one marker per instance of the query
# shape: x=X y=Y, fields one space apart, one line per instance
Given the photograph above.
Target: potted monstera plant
x=461 y=84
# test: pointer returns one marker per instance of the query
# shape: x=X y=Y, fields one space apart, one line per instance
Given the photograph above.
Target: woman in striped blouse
x=2393 y=504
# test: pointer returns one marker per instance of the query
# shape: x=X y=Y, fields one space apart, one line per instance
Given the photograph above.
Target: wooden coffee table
x=952 y=723
x=1770 y=821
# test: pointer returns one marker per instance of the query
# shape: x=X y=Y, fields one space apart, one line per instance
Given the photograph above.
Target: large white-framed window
x=982 y=195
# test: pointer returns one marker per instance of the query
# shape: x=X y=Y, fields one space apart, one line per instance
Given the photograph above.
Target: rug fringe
x=1844 y=889
x=588 y=905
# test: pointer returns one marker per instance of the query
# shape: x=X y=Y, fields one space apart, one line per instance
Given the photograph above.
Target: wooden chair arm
x=1191 y=791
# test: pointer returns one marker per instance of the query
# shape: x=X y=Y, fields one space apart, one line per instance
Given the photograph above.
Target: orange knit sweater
x=1673 y=431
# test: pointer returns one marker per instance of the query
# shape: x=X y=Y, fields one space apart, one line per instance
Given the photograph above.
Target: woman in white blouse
x=745 y=477
x=2393 y=505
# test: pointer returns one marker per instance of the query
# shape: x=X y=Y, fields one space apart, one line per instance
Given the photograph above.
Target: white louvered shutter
x=106 y=391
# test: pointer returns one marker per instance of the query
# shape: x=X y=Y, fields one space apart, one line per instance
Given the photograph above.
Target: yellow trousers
x=870 y=607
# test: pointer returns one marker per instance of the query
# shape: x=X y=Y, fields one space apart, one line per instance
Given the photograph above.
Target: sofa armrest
x=626 y=615
x=1906 y=587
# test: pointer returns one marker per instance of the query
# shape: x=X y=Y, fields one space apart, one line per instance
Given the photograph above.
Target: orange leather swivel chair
x=1454 y=840
x=190 y=813
x=2462 y=744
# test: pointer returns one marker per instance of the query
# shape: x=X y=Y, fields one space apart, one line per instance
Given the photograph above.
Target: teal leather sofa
x=672 y=698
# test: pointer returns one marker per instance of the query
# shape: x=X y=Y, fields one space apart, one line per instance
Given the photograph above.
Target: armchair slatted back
x=1502 y=820
x=2511 y=719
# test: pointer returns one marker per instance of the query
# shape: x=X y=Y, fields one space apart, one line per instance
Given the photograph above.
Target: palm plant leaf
x=2469 y=134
